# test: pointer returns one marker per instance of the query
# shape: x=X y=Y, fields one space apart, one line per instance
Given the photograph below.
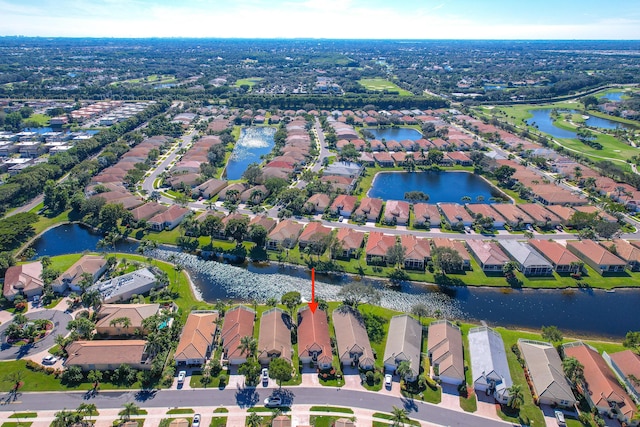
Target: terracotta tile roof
x=426 y=212
x=397 y=209
x=315 y=231
x=313 y=335
x=488 y=253
x=595 y=252
x=378 y=243
x=170 y=215
x=563 y=212
x=344 y=202
x=369 y=207
x=454 y=212
x=415 y=249
x=485 y=210
x=538 y=212
x=349 y=238
x=147 y=211
x=457 y=245
x=554 y=252
x=600 y=381
x=238 y=323
x=511 y=213
x=197 y=335
x=263 y=220
x=87 y=264
x=320 y=201
x=286 y=229
x=25 y=278
x=629 y=364
x=445 y=348
x=275 y=335
x=136 y=313
x=108 y=352
x=351 y=335
x=624 y=250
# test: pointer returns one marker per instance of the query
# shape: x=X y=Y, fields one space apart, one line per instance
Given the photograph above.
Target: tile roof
x=349 y=238
x=445 y=347
x=554 y=252
x=197 y=335
x=545 y=371
x=25 y=278
x=313 y=334
x=314 y=232
x=238 y=323
x=351 y=335
x=378 y=243
x=595 y=252
x=136 y=313
x=107 y=352
x=488 y=253
x=275 y=334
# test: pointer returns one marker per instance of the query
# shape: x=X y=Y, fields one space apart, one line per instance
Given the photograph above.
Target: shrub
x=72 y=376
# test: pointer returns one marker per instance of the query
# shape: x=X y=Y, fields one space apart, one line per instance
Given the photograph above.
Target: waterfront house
x=108 y=355
x=417 y=252
x=110 y=318
x=455 y=215
x=169 y=219
x=377 y=246
x=263 y=220
x=284 y=235
x=93 y=265
x=121 y=288
x=625 y=250
x=352 y=340
x=489 y=366
x=238 y=323
x=479 y=210
x=275 y=336
x=314 y=343
x=597 y=256
x=404 y=341
x=530 y=262
x=344 y=205
x=560 y=258
x=426 y=215
x=456 y=245
x=546 y=374
x=488 y=254
x=444 y=347
x=314 y=232
x=396 y=212
x=369 y=210
x=197 y=338
x=626 y=365
x=600 y=386
x=350 y=241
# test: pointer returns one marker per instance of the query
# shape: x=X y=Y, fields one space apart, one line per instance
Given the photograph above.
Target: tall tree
x=399 y=417
x=516 y=396
x=280 y=370
x=573 y=369
x=552 y=333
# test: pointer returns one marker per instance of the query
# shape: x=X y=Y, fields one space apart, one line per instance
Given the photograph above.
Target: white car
x=272 y=402
x=388 y=379
x=560 y=418
x=181 y=376
x=49 y=360
x=196 y=421
x=265 y=375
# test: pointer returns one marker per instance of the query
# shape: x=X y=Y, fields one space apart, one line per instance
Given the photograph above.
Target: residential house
x=209 y=188
x=268 y=223
x=226 y=192
x=348 y=169
x=542 y=217
x=560 y=258
x=625 y=250
x=284 y=235
x=479 y=210
x=110 y=318
x=597 y=256
x=121 y=288
x=626 y=365
x=254 y=195
x=197 y=338
x=169 y=219
x=350 y=241
x=147 y=211
x=488 y=254
x=108 y=355
x=397 y=212
x=384 y=159
x=313 y=233
x=377 y=246
x=513 y=216
x=426 y=215
x=344 y=205
x=92 y=265
x=546 y=374
x=317 y=204
x=275 y=336
x=563 y=212
x=25 y=280
x=369 y=210
x=417 y=252
x=600 y=386
x=314 y=343
x=455 y=215
x=456 y=245
x=530 y=262
x=238 y=323
x=404 y=341
x=489 y=366
x=460 y=158
x=352 y=340
x=604 y=216
x=444 y=347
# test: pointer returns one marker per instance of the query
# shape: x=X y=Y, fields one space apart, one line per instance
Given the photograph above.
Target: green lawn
x=380 y=85
x=180 y=411
x=469 y=404
x=389 y=417
x=251 y=81
x=24 y=415
x=323 y=420
x=41 y=119
x=218 y=422
x=16 y=424
x=331 y=409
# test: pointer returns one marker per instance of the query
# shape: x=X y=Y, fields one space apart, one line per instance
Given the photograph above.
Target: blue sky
x=416 y=19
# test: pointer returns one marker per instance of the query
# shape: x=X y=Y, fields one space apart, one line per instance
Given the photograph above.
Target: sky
x=332 y=19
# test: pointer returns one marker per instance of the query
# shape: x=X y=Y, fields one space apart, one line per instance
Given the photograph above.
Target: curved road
x=60 y=321
x=248 y=397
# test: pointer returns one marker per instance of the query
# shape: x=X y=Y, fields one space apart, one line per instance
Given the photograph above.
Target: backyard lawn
x=380 y=85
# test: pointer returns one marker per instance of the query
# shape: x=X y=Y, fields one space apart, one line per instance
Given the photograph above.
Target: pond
x=395 y=134
x=584 y=312
x=542 y=120
x=441 y=186
x=254 y=142
x=613 y=96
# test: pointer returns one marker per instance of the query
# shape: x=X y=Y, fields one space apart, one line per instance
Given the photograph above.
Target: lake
x=395 y=134
x=613 y=96
x=584 y=312
x=441 y=186
x=542 y=119
x=254 y=142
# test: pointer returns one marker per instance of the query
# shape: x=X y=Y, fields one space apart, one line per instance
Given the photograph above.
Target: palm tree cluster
x=81 y=416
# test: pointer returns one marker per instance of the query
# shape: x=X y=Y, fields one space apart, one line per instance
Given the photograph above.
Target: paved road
x=60 y=321
x=249 y=397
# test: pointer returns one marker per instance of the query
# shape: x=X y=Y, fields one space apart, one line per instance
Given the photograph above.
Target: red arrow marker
x=313 y=304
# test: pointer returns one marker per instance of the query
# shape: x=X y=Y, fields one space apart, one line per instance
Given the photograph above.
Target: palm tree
x=249 y=345
x=87 y=410
x=516 y=396
x=130 y=408
x=254 y=420
x=573 y=369
x=404 y=369
x=92 y=299
x=86 y=280
x=399 y=417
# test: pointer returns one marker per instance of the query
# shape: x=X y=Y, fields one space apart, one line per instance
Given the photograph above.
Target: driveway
x=60 y=321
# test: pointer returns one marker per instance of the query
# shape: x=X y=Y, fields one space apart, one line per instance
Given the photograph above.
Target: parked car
x=181 y=376
x=388 y=379
x=272 y=402
x=560 y=418
x=265 y=376
x=196 y=421
x=49 y=360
